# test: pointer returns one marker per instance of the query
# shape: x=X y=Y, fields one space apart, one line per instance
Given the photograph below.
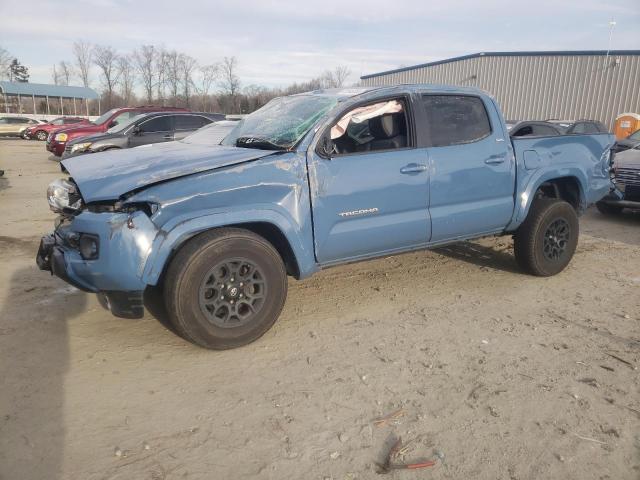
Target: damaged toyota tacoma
x=307 y=182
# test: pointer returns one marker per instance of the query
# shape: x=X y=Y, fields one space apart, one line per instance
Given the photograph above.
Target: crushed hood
x=109 y=175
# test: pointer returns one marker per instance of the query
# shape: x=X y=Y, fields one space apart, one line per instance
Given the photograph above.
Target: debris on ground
x=396 y=450
x=388 y=418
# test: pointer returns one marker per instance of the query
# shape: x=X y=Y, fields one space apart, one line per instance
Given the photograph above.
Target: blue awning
x=44 y=90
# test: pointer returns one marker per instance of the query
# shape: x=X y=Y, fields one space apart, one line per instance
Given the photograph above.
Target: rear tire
x=41 y=135
x=225 y=288
x=547 y=239
x=607 y=209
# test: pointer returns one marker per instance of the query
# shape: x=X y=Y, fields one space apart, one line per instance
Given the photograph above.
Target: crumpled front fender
x=168 y=241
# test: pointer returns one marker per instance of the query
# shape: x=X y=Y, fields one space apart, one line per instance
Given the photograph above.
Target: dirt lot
x=506 y=376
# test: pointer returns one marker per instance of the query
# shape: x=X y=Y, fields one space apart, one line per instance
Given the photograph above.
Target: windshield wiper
x=257 y=142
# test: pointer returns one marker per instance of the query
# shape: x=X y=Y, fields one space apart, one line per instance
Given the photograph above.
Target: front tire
x=607 y=209
x=547 y=239
x=225 y=288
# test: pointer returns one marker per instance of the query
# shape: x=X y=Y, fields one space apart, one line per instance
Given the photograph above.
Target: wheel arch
x=569 y=185
x=286 y=240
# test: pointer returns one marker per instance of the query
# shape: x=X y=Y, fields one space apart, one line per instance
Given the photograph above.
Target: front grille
x=628 y=176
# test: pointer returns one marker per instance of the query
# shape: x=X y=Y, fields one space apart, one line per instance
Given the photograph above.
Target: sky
x=279 y=42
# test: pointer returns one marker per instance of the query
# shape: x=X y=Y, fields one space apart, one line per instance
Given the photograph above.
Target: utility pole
x=612 y=23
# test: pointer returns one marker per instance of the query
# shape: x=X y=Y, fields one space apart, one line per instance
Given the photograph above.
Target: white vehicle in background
x=14 y=126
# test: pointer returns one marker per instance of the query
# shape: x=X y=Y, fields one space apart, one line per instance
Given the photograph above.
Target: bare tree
x=106 y=58
x=335 y=78
x=208 y=75
x=187 y=66
x=340 y=75
x=145 y=60
x=160 y=66
x=229 y=80
x=172 y=74
x=126 y=73
x=5 y=62
x=82 y=51
x=61 y=73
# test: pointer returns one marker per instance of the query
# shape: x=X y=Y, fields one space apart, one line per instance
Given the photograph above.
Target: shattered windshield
x=281 y=123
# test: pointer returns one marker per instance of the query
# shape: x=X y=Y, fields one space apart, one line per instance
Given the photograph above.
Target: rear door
x=472 y=167
x=154 y=130
x=187 y=124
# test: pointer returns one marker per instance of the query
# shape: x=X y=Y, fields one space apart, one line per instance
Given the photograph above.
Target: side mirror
x=136 y=130
x=325 y=146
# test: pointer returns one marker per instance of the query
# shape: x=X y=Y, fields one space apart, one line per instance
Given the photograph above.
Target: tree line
x=155 y=75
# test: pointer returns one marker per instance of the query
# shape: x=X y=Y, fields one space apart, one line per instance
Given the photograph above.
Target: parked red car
x=57 y=139
x=43 y=130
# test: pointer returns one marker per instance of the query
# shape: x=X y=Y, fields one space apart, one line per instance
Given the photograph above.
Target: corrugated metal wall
x=540 y=87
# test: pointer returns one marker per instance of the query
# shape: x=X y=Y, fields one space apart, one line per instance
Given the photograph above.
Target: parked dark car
x=41 y=131
x=626 y=180
x=632 y=141
x=586 y=127
x=534 y=129
x=143 y=129
x=57 y=140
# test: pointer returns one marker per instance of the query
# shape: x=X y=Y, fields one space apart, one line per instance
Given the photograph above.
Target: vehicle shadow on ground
x=4 y=181
x=481 y=256
x=34 y=359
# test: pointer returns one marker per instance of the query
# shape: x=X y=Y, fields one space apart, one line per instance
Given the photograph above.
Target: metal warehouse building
x=597 y=85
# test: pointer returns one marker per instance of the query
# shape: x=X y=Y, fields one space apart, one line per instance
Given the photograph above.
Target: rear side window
x=544 y=130
x=190 y=122
x=72 y=120
x=157 y=124
x=584 y=128
x=455 y=119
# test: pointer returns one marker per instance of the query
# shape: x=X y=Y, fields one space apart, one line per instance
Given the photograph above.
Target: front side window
x=635 y=135
x=370 y=128
x=455 y=119
x=157 y=124
x=281 y=123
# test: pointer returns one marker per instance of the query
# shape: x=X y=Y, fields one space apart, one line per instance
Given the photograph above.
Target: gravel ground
x=496 y=374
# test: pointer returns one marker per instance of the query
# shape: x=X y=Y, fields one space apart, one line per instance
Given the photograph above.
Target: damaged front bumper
x=123 y=245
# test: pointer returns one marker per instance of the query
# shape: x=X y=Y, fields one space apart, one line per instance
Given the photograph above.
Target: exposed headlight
x=89 y=246
x=80 y=147
x=61 y=137
x=63 y=194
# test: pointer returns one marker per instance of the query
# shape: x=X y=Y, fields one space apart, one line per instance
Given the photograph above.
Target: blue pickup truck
x=307 y=182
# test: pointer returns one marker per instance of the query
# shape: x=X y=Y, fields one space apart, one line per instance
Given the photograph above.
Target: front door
x=472 y=167
x=372 y=195
x=155 y=130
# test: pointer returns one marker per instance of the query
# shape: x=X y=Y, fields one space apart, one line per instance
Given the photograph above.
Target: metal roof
x=560 y=53
x=45 y=90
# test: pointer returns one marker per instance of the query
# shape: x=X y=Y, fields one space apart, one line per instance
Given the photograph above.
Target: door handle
x=496 y=159
x=413 y=168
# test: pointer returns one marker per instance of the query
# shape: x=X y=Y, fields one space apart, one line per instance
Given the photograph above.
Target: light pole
x=612 y=23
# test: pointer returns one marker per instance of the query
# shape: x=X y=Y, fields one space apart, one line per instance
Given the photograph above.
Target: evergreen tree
x=18 y=72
